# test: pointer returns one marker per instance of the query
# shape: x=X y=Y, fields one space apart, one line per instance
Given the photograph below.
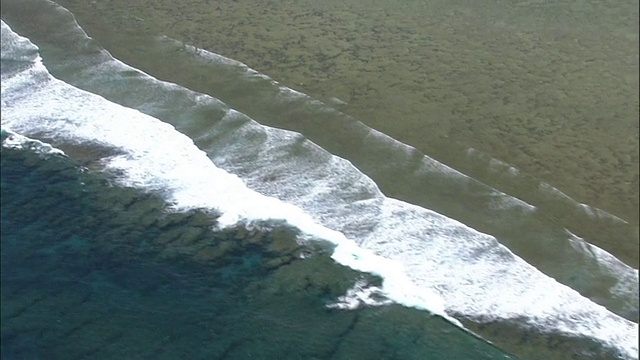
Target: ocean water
x=92 y=270
x=141 y=218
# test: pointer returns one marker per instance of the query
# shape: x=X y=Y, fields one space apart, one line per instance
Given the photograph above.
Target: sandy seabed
x=551 y=89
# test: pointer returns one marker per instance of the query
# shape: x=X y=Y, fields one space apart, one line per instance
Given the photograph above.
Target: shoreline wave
x=170 y=170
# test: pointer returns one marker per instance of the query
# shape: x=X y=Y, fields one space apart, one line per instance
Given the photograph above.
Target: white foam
x=425 y=259
x=16 y=48
x=497 y=166
x=19 y=142
x=475 y=275
x=503 y=201
x=626 y=285
x=251 y=73
x=360 y=294
x=590 y=211
x=154 y=156
x=378 y=144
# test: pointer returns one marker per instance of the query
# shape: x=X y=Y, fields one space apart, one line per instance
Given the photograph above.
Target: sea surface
x=161 y=200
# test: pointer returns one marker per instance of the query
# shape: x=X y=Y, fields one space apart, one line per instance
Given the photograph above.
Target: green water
x=186 y=256
x=548 y=88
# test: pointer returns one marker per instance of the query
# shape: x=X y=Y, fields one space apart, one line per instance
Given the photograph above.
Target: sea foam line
x=167 y=161
x=64 y=114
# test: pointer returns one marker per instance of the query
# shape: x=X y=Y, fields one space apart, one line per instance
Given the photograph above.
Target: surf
x=319 y=192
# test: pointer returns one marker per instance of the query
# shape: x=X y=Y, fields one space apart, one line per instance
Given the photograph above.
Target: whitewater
x=259 y=173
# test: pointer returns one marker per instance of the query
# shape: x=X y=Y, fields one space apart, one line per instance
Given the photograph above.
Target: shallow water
x=550 y=88
x=324 y=190
x=543 y=150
